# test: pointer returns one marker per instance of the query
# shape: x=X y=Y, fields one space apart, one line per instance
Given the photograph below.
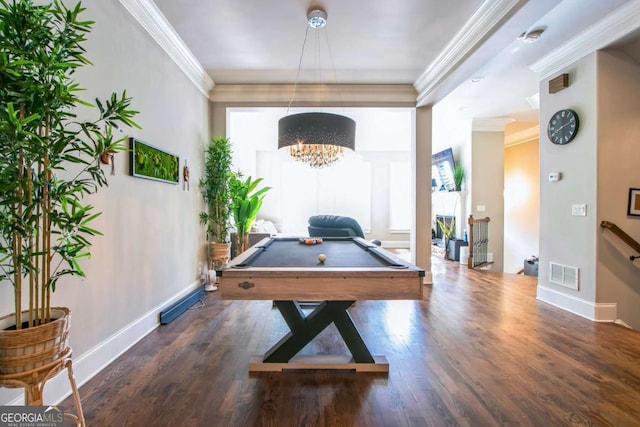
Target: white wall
x=153 y=242
x=451 y=131
x=598 y=169
x=567 y=239
x=618 y=279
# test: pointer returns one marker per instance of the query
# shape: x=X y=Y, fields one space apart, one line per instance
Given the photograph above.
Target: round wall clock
x=563 y=127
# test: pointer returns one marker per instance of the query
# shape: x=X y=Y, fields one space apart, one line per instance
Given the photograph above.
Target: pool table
x=288 y=271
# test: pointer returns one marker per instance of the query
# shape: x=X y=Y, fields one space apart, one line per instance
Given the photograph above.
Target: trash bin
x=531 y=266
x=464 y=254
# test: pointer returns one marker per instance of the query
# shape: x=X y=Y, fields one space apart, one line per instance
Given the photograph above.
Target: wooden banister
x=630 y=241
x=473 y=220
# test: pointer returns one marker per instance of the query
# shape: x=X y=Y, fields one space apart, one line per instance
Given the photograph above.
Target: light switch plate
x=554 y=176
x=579 y=209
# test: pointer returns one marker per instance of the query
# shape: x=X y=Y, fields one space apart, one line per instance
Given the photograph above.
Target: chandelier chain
x=295 y=83
x=318 y=139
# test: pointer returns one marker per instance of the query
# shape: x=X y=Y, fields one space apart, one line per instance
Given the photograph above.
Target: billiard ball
x=322 y=257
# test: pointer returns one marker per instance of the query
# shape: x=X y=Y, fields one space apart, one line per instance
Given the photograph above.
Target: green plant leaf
x=44 y=150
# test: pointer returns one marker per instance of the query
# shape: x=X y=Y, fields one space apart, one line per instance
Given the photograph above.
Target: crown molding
x=612 y=27
x=523 y=136
x=485 y=19
x=321 y=94
x=155 y=23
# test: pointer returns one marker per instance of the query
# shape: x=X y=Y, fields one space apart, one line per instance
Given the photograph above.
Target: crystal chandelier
x=318 y=139
x=316 y=155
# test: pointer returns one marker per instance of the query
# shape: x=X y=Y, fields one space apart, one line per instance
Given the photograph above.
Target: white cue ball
x=322 y=257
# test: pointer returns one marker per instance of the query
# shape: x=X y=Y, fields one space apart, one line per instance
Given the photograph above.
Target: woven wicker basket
x=218 y=253
x=24 y=351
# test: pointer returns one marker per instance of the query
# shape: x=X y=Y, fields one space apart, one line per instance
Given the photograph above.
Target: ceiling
x=389 y=42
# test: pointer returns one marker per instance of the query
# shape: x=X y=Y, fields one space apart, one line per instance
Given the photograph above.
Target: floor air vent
x=563 y=275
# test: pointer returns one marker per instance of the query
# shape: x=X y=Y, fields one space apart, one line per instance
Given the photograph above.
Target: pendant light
x=316 y=138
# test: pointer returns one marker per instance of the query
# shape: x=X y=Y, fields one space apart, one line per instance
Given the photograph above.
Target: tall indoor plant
x=215 y=191
x=246 y=201
x=49 y=160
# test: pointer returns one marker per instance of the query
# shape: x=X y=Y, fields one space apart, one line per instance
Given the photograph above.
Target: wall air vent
x=564 y=275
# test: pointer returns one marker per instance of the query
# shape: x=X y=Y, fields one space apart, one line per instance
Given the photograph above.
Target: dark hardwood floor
x=479 y=350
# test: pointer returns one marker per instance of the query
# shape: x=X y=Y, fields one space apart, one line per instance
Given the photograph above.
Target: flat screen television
x=442 y=166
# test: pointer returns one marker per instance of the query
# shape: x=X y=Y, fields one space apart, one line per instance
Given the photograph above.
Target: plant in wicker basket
x=49 y=160
x=215 y=192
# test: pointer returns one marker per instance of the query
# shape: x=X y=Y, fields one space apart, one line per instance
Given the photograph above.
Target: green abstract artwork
x=152 y=163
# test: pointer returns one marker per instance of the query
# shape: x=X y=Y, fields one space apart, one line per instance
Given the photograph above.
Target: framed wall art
x=147 y=161
x=634 y=202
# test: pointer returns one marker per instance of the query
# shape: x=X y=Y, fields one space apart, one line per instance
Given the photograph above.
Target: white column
x=421 y=235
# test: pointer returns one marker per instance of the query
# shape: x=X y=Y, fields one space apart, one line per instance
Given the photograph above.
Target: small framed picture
x=634 y=202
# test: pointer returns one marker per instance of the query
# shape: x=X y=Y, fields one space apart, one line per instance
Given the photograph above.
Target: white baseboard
x=87 y=365
x=606 y=312
x=622 y=323
x=598 y=312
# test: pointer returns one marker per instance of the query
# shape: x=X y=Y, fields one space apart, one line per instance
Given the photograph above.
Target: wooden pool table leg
x=304 y=329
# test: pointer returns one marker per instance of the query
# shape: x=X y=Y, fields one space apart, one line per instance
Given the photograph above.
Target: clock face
x=563 y=127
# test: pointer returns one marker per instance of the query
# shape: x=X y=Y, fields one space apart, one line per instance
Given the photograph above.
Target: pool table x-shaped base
x=305 y=328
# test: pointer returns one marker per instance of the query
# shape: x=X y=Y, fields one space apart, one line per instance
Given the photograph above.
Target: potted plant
x=215 y=191
x=458 y=176
x=449 y=234
x=246 y=201
x=452 y=244
x=448 y=230
x=49 y=161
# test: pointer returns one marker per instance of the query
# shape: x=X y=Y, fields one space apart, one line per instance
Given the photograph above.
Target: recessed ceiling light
x=531 y=36
x=477 y=79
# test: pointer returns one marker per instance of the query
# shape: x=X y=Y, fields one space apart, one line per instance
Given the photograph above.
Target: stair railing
x=478 y=242
x=630 y=241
